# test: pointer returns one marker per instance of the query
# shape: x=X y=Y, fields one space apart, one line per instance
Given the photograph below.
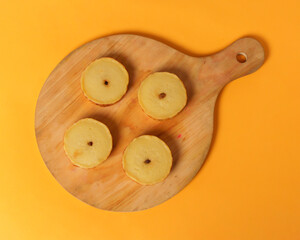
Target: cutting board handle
x=241 y=58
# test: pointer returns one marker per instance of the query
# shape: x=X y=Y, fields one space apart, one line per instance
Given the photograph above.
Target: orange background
x=249 y=187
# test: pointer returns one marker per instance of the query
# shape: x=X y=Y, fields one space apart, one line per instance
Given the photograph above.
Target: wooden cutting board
x=189 y=134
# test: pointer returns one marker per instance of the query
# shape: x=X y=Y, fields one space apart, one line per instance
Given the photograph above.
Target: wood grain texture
x=61 y=103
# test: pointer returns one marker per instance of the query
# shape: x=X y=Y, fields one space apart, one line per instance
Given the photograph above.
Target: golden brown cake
x=87 y=143
x=147 y=160
x=162 y=95
x=104 y=81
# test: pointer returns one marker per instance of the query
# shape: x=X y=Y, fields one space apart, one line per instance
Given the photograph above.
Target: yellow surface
x=249 y=187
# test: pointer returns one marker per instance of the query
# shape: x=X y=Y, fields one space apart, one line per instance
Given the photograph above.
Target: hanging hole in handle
x=241 y=57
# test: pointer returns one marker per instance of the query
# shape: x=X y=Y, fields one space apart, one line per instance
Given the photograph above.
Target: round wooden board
x=61 y=103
